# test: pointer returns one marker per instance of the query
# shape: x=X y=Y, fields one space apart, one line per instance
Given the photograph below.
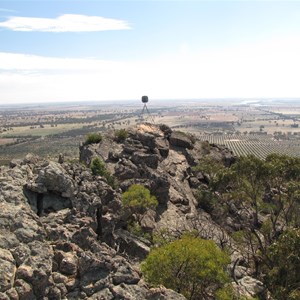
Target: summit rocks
x=62 y=231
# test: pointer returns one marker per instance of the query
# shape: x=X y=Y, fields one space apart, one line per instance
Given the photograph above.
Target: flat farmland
x=256 y=127
x=258 y=145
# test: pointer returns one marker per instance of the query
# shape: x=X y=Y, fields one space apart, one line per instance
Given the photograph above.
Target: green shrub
x=98 y=168
x=121 y=135
x=191 y=266
x=93 y=138
x=137 y=199
x=136 y=229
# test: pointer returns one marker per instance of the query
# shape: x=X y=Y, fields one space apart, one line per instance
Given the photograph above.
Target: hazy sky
x=63 y=50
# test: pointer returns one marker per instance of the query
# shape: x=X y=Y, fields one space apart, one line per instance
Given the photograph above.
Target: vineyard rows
x=260 y=146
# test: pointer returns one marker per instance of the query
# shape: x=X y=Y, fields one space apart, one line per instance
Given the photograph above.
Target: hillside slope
x=62 y=231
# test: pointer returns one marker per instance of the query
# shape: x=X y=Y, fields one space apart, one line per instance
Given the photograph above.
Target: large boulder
x=56 y=179
x=181 y=139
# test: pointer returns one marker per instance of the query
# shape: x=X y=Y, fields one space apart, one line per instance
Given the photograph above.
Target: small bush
x=121 y=135
x=191 y=266
x=136 y=229
x=98 y=168
x=93 y=138
x=138 y=199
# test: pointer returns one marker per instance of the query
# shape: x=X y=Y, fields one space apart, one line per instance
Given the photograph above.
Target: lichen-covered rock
x=7 y=270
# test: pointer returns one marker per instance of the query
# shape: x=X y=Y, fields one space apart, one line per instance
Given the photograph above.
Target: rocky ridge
x=62 y=234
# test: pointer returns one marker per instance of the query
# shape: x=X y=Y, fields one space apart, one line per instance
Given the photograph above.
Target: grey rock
x=3 y=296
x=163 y=147
x=24 y=290
x=15 y=162
x=60 y=278
x=194 y=182
x=148 y=220
x=146 y=139
x=104 y=294
x=165 y=129
x=87 y=153
x=125 y=274
x=67 y=262
x=128 y=292
x=131 y=244
x=180 y=139
x=63 y=289
x=8 y=239
x=249 y=287
x=163 y=294
x=54 y=293
x=150 y=160
x=55 y=178
x=12 y=294
x=176 y=198
x=240 y=272
x=21 y=253
x=126 y=170
x=7 y=270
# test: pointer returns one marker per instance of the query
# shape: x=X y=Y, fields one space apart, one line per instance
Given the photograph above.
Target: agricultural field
x=258 y=145
x=258 y=127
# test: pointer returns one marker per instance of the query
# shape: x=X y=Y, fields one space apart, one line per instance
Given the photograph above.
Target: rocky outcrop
x=62 y=232
x=57 y=249
x=180 y=139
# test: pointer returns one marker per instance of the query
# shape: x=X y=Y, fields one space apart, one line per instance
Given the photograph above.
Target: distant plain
x=259 y=126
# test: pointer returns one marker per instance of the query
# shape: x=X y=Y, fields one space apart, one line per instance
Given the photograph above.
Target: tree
x=284 y=190
x=137 y=200
x=263 y=198
x=248 y=185
x=212 y=169
x=283 y=279
x=191 y=266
